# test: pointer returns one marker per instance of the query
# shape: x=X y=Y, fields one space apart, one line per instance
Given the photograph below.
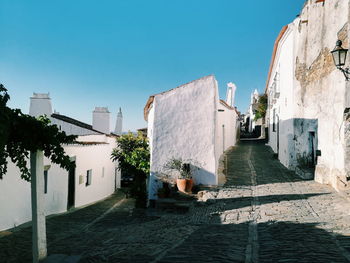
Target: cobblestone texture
x=264 y=213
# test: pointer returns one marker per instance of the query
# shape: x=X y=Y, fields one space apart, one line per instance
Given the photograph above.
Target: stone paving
x=264 y=213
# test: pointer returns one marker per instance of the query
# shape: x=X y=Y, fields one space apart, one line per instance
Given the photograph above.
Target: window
x=45 y=181
x=274 y=121
x=88 y=177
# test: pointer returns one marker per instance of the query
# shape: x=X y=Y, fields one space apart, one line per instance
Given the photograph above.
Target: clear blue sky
x=116 y=53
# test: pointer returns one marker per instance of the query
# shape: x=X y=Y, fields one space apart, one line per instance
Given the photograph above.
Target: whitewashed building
x=94 y=178
x=254 y=98
x=280 y=90
x=309 y=99
x=190 y=122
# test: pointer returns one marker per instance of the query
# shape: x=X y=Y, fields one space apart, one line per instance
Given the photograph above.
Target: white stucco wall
x=184 y=126
x=15 y=195
x=15 y=198
x=227 y=135
x=96 y=158
x=314 y=100
x=282 y=78
x=322 y=97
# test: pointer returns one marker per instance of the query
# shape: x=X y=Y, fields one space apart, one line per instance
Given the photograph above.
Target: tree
x=21 y=135
x=132 y=153
x=261 y=108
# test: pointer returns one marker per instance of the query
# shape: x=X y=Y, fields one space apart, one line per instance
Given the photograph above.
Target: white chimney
x=100 y=119
x=40 y=104
x=230 y=95
x=119 y=123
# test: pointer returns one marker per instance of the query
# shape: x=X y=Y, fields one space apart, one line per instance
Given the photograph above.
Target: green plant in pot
x=184 y=181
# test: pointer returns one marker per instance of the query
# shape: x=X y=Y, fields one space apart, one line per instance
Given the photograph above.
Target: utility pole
x=38 y=206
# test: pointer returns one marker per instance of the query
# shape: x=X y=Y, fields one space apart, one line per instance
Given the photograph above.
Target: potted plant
x=184 y=181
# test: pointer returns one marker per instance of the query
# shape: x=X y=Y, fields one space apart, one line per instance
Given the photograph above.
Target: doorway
x=71 y=187
x=312 y=148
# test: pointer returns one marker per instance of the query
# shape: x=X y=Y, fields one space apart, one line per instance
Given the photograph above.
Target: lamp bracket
x=346 y=72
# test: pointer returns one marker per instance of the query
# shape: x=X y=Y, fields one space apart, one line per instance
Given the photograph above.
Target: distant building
x=143 y=131
x=250 y=125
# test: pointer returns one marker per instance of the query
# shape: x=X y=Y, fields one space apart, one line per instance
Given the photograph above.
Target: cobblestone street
x=264 y=213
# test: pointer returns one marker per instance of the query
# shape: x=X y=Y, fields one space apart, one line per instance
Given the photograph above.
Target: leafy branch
x=21 y=134
x=261 y=108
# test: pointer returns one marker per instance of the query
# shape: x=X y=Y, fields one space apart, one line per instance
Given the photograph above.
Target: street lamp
x=339 y=57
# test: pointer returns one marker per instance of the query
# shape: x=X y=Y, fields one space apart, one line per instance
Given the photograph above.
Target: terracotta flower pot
x=189 y=185
x=181 y=184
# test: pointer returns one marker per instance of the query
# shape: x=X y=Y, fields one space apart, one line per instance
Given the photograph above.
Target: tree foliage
x=21 y=134
x=261 y=108
x=132 y=153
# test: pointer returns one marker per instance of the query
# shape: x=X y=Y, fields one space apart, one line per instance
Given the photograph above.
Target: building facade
x=309 y=97
x=191 y=123
x=95 y=176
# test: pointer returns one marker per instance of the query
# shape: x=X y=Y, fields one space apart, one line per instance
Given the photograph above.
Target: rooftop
x=74 y=121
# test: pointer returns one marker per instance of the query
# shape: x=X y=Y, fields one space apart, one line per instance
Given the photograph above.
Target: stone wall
x=319 y=89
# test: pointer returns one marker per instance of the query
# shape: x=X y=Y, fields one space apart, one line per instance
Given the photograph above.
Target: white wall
x=282 y=77
x=322 y=96
x=15 y=204
x=227 y=135
x=317 y=100
x=184 y=126
x=15 y=198
x=94 y=157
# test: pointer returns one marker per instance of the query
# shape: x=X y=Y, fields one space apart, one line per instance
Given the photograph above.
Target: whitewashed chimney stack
x=101 y=119
x=40 y=104
x=119 y=123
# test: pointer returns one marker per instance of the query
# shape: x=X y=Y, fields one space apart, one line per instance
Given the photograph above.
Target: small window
x=103 y=172
x=45 y=181
x=88 y=177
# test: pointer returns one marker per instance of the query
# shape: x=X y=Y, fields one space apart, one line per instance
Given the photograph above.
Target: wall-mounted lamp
x=339 y=57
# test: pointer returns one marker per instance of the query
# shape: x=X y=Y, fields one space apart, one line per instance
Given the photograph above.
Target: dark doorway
x=312 y=148
x=247 y=124
x=71 y=187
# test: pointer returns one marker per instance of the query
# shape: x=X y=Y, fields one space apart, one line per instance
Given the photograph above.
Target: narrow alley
x=264 y=213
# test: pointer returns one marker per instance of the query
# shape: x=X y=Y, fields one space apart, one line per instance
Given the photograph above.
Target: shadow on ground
x=241 y=202
x=279 y=242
